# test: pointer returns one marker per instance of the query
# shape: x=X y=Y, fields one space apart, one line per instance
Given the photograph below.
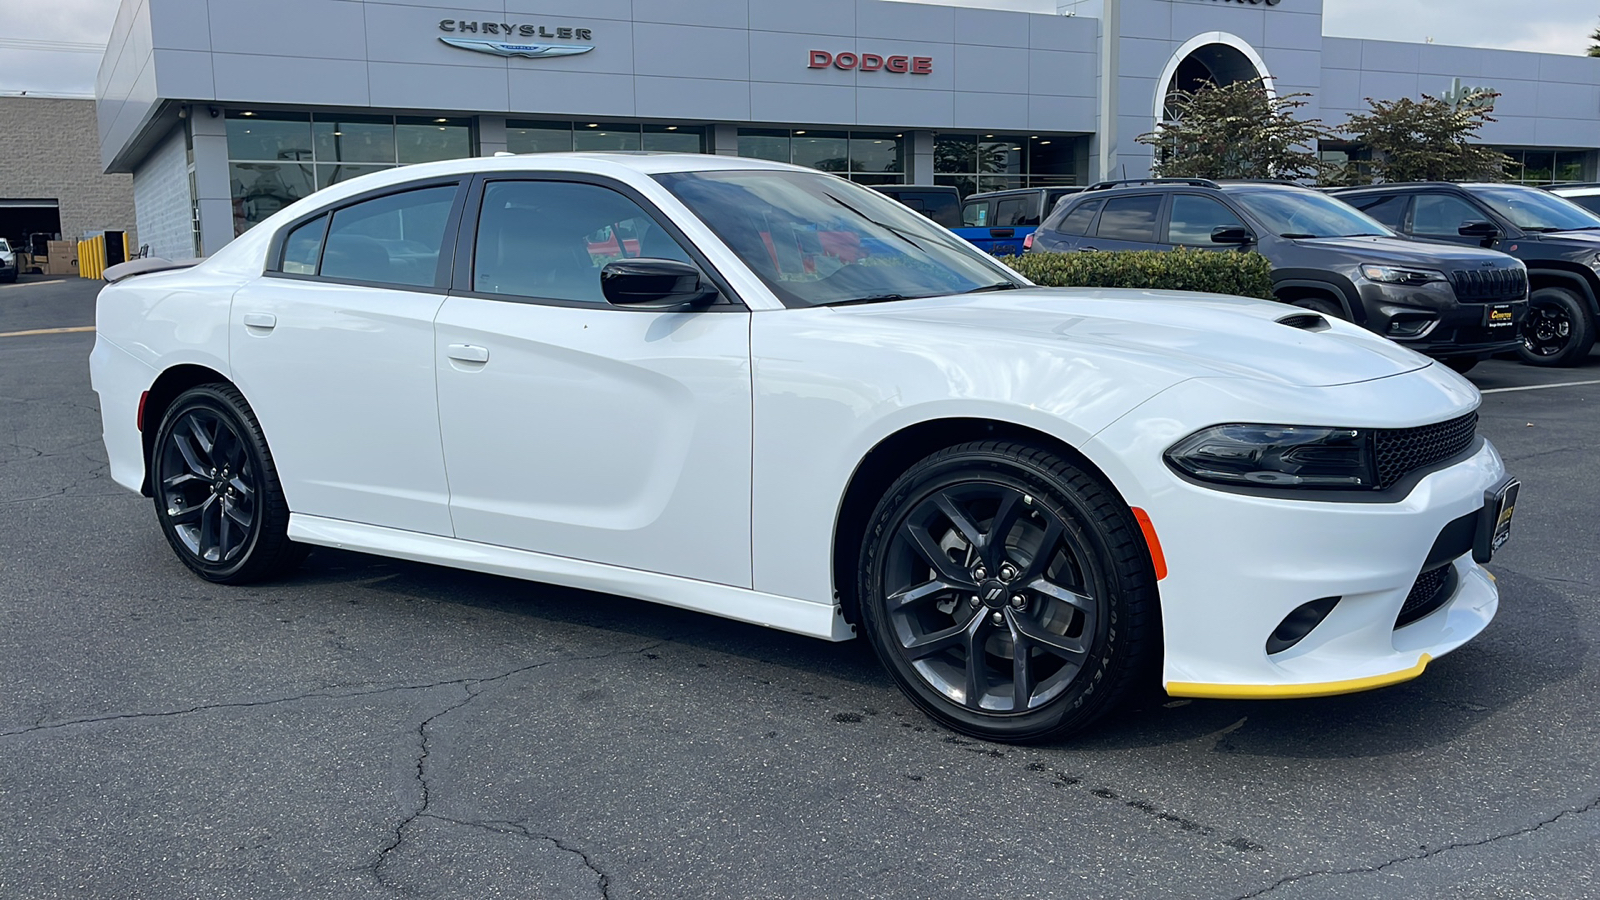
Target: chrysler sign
x=486 y=34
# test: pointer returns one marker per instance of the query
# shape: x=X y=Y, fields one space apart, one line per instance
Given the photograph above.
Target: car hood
x=1401 y=251
x=1575 y=238
x=1192 y=335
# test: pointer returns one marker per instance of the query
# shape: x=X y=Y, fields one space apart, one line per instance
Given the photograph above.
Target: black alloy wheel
x=216 y=491
x=1557 y=330
x=1008 y=593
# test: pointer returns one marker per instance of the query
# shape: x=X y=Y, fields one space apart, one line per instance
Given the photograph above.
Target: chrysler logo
x=531 y=51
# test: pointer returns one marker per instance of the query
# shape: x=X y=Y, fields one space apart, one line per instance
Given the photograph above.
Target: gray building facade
x=225 y=110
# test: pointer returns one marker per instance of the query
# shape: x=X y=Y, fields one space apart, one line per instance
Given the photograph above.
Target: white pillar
x=491 y=135
x=921 y=147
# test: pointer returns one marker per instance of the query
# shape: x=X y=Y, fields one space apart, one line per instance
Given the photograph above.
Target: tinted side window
x=1193 y=218
x=1388 y=210
x=942 y=209
x=975 y=214
x=303 y=247
x=390 y=240
x=549 y=239
x=1130 y=218
x=1015 y=211
x=1441 y=215
x=1077 y=221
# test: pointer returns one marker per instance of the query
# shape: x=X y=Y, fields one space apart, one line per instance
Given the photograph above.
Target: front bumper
x=1428 y=319
x=1238 y=564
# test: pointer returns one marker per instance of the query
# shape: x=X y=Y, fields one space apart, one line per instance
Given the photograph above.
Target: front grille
x=1401 y=451
x=1431 y=590
x=1490 y=285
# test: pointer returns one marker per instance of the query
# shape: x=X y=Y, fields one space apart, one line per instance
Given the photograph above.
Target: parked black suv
x=1457 y=304
x=1558 y=240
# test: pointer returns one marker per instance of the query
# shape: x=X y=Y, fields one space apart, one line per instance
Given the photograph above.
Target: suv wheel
x=1322 y=305
x=1557 y=330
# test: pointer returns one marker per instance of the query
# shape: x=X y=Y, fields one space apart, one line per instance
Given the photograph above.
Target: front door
x=579 y=429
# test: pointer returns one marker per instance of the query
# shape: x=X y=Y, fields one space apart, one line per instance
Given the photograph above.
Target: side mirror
x=1231 y=234
x=1479 y=228
x=661 y=284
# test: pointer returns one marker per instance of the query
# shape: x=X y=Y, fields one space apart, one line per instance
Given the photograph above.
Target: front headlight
x=1400 y=274
x=1289 y=456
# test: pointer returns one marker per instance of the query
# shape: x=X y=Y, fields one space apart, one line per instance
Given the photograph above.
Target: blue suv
x=1003 y=222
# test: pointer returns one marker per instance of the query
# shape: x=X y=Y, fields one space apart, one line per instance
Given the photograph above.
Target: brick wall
x=50 y=149
x=161 y=193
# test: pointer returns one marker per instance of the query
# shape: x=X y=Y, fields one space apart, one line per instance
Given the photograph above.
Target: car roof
x=984 y=195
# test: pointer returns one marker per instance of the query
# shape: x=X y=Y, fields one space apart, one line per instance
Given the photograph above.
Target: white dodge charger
x=766 y=393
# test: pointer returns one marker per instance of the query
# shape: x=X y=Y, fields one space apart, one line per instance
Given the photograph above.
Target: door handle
x=260 y=321
x=468 y=353
x=1088 y=249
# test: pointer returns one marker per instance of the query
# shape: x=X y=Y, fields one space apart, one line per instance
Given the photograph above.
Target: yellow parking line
x=73 y=330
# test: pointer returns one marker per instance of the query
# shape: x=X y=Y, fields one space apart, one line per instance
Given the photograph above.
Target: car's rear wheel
x=1007 y=592
x=1557 y=330
x=216 y=490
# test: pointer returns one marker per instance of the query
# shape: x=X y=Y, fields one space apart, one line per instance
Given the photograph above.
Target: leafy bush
x=1184 y=269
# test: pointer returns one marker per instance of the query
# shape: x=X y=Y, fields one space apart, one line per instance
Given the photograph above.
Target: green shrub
x=1184 y=269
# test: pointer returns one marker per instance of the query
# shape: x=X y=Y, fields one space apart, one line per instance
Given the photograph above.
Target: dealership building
x=224 y=111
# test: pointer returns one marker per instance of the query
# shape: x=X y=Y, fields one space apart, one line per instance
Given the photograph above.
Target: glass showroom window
x=560 y=137
x=1538 y=167
x=867 y=157
x=276 y=158
x=995 y=162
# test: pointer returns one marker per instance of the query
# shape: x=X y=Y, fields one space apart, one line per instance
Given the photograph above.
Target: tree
x=1237 y=131
x=1594 y=48
x=1428 y=140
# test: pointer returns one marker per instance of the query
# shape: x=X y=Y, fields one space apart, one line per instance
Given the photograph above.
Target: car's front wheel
x=1008 y=593
x=216 y=490
x=1557 y=330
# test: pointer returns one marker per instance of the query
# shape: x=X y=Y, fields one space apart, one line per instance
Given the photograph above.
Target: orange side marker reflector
x=139 y=421
x=1157 y=558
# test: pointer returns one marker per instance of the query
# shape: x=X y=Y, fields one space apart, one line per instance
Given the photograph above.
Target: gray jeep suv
x=1456 y=304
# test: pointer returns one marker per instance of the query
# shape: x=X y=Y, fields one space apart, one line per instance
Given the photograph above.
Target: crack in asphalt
x=473 y=689
x=503 y=826
x=314 y=695
x=1589 y=807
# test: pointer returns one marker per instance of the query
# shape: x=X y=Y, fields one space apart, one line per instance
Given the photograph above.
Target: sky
x=54 y=47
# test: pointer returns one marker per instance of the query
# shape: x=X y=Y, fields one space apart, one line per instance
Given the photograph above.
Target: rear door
x=1130 y=222
x=1015 y=217
x=1065 y=234
x=334 y=349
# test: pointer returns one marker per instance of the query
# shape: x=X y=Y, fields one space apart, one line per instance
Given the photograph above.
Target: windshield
x=1532 y=209
x=1307 y=214
x=817 y=239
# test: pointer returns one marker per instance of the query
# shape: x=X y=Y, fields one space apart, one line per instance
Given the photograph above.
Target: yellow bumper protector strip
x=1288 y=691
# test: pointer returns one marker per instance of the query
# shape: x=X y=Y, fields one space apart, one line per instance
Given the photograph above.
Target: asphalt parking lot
x=372 y=728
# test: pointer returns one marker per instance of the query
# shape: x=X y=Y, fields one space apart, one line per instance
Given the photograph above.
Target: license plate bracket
x=1500 y=315
x=1494 y=523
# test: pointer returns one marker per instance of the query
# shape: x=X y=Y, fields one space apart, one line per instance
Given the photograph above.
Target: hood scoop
x=1305 y=321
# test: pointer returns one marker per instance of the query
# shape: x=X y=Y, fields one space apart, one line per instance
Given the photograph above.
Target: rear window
x=1130 y=218
x=1016 y=212
x=975 y=214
